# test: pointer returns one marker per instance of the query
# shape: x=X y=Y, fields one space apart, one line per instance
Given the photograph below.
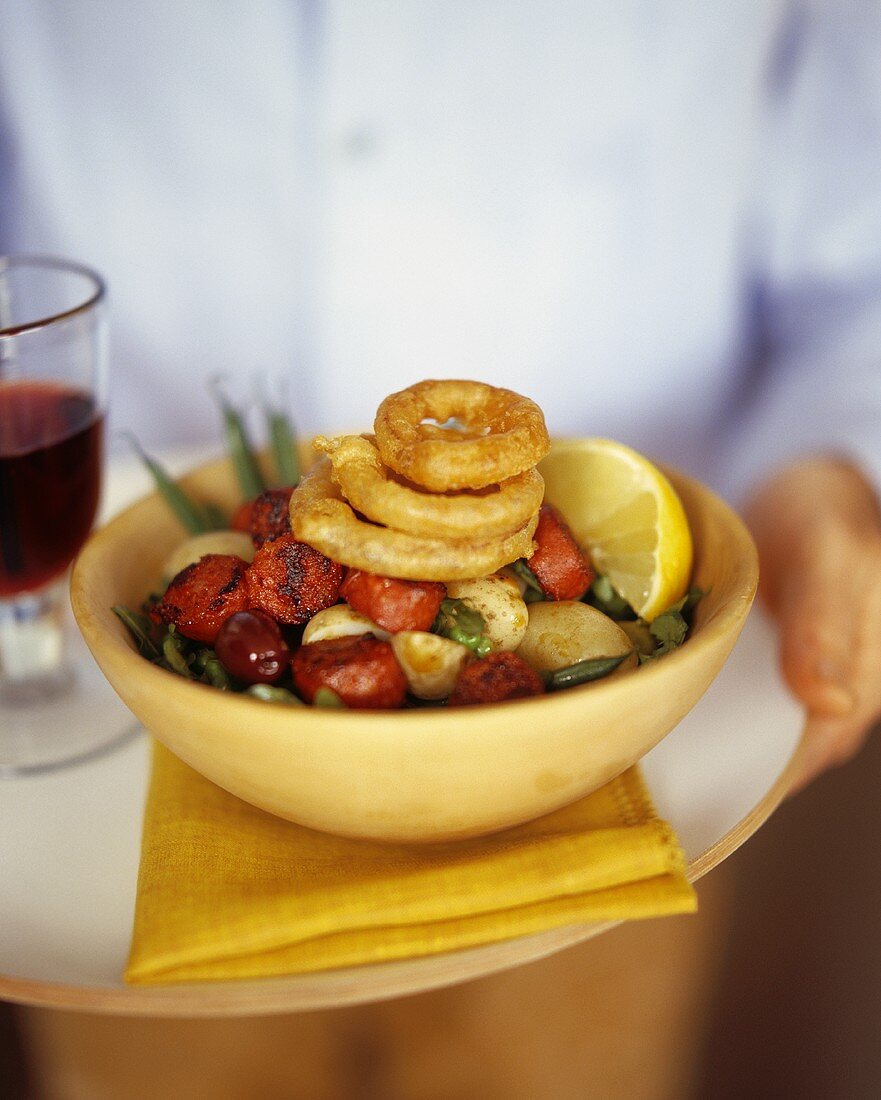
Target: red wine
x=51 y=440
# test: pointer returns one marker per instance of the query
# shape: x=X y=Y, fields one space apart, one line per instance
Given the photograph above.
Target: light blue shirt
x=662 y=221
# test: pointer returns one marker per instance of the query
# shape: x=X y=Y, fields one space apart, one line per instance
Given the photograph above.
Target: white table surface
x=69 y=841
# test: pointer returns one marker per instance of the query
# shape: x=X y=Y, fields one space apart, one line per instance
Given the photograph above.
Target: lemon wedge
x=624 y=511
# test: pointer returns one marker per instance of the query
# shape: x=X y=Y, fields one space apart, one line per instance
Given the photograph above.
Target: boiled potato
x=564 y=632
x=431 y=663
x=499 y=601
x=210 y=542
x=340 y=621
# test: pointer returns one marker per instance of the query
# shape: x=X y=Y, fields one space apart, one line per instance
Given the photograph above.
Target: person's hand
x=818 y=529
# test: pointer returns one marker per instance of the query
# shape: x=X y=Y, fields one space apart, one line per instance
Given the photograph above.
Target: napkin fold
x=227 y=891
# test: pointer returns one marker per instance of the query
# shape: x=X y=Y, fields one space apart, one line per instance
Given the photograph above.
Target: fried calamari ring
x=365 y=483
x=322 y=519
x=504 y=434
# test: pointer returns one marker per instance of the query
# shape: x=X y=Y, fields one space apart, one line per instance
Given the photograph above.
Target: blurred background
x=660 y=222
x=664 y=223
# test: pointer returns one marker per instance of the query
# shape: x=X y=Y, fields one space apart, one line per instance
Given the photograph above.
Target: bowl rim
x=727 y=620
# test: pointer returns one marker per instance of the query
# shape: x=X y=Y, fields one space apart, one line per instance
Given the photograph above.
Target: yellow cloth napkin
x=228 y=891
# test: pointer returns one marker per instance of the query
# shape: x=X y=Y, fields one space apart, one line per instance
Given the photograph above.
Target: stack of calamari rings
x=445 y=490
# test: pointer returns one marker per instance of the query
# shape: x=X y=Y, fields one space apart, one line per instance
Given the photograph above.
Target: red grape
x=250 y=647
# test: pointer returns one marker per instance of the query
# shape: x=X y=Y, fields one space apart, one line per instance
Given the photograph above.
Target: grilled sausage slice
x=393 y=604
x=270 y=515
x=362 y=671
x=560 y=567
x=291 y=581
x=494 y=679
x=202 y=596
x=241 y=517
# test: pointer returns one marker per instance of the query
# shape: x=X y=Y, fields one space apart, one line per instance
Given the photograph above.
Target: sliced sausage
x=270 y=515
x=362 y=671
x=291 y=581
x=202 y=596
x=495 y=678
x=558 y=563
x=241 y=517
x=393 y=604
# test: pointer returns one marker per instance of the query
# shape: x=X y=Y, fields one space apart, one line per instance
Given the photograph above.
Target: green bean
x=189 y=513
x=282 y=436
x=173 y=652
x=327 y=697
x=207 y=663
x=534 y=591
x=283 y=439
x=271 y=694
x=461 y=623
x=215 y=518
x=139 y=628
x=239 y=446
x=479 y=644
x=582 y=672
x=201 y=658
x=216 y=674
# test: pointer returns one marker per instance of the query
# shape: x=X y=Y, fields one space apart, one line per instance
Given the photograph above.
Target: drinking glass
x=54 y=705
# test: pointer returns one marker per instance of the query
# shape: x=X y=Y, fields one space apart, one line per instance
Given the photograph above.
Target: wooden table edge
x=358 y=985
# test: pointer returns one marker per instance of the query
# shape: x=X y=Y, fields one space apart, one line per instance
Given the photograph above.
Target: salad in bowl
x=446 y=626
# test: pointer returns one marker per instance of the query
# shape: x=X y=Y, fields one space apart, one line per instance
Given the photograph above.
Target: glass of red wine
x=55 y=707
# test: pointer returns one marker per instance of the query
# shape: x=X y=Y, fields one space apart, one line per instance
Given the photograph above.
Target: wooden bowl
x=418 y=775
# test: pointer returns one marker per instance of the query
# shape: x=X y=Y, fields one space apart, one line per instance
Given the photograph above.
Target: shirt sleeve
x=816 y=383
